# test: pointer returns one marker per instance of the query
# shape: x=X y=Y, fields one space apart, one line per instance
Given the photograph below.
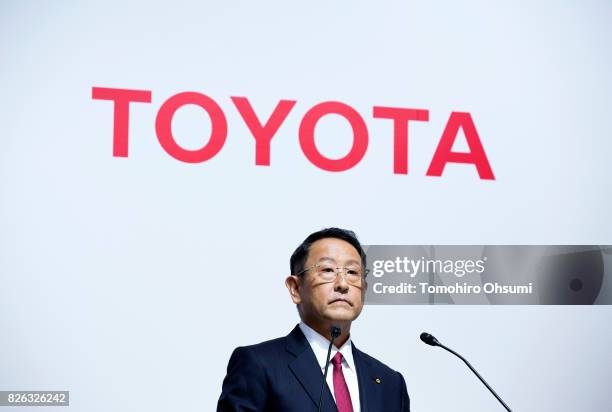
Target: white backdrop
x=128 y=281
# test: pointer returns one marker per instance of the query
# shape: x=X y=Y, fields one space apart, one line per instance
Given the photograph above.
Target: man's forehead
x=323 y=259
x=333 y=249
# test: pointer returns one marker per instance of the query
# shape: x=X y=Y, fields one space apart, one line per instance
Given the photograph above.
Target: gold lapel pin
x=377 y=380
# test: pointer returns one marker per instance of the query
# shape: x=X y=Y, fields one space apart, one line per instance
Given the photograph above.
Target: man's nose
x=341 y=285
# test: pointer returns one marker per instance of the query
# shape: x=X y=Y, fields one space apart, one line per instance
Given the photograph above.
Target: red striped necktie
x=341 y=391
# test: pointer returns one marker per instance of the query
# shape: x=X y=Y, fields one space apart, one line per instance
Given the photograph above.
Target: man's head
x=327 y=280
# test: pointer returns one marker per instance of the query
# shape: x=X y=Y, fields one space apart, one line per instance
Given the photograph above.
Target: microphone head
x=429 y=339
x=335 y=332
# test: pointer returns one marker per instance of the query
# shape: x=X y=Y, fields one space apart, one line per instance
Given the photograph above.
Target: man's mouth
x=341 y=301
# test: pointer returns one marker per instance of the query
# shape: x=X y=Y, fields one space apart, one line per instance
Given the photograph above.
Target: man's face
x=323 y=301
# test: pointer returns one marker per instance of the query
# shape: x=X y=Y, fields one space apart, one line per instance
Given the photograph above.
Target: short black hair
x=298 y=258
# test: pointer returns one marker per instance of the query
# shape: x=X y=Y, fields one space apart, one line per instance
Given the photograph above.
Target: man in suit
x=328 y=284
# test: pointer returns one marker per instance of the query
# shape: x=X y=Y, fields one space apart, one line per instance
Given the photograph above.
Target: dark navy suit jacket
x=283 y=375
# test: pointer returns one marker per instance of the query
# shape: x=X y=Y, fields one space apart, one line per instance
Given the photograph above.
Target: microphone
x=335 y=332
x=431 y=340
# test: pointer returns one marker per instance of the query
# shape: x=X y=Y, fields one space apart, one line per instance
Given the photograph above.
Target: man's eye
x=327 y=270
x=352 y=272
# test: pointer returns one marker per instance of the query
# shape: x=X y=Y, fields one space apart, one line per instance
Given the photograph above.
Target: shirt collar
x=319 y=345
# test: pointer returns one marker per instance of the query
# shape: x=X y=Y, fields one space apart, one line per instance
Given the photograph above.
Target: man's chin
x=341 y=314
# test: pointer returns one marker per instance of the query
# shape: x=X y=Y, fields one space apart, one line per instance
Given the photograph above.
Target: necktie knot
x=337 y=359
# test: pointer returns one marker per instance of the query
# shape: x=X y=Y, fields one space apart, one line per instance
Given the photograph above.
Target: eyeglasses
x=354 y=275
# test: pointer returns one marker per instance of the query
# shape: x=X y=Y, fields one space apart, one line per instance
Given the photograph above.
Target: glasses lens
x=327 y=272
x=353 y=275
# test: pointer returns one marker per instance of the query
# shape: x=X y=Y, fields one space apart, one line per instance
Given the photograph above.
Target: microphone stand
x=335 y=332
x=431 y=340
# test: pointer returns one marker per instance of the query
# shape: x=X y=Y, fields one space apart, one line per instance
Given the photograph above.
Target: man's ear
x=293 y=286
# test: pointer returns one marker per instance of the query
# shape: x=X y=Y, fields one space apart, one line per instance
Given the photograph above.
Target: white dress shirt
x=319 y=345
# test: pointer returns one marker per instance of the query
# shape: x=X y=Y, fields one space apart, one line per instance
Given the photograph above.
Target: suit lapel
x=370 y=392
x=306 y=370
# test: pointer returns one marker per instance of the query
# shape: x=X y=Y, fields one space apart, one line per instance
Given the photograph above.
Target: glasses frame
x=343 y=270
